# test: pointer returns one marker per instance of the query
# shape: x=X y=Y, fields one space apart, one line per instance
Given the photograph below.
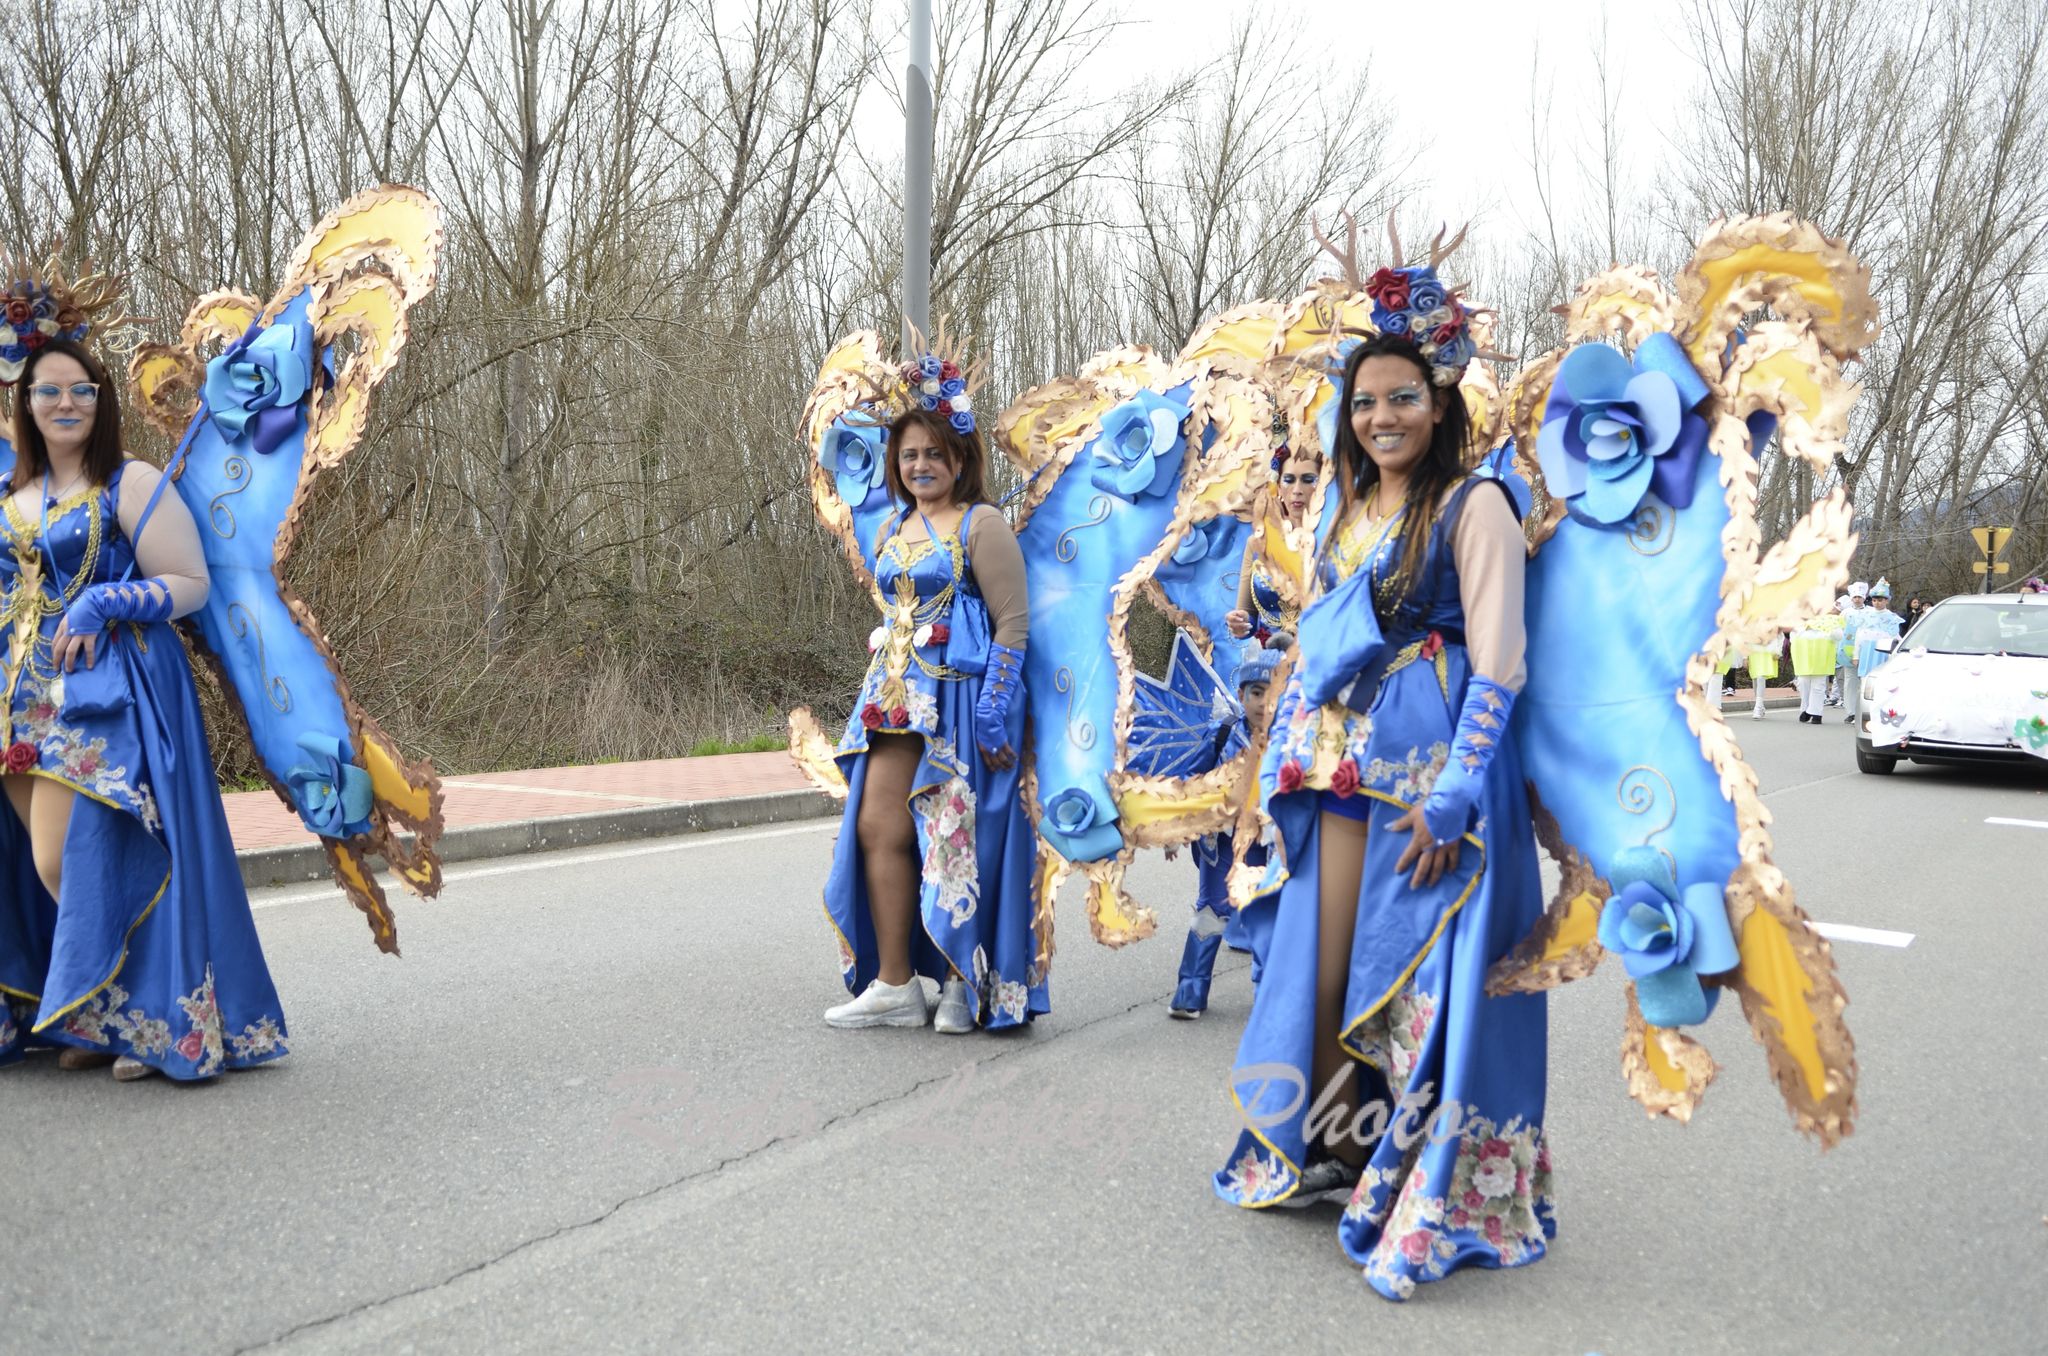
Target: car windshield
x=1984 y=628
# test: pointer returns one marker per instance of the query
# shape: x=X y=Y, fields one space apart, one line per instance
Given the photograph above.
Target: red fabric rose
x=1445 y=333
x=1432 y=645
x=871 y=716
x=18 y=312
x=1389 y=289
x=1262 y=635
x=21 y=756
x=899 y=718
x=35 y=339
x=1290 y=777
x=945 y=407
x=949 y=371
x=941 y=633
x=1344 y=781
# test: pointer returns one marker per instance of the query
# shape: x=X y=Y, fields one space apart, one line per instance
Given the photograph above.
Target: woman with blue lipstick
x=1374 y=1063
x=125 y=933
x=932 y=873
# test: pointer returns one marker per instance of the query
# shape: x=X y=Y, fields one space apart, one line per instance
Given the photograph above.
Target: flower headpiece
x=941 y=380
x=1412 y=301
x=40 y=304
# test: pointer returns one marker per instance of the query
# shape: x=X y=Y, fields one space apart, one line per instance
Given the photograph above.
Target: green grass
x=706 y=748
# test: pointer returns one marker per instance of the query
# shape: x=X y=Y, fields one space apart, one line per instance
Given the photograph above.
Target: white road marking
x=546 y=860
x=2020 y=823
x=1846 y=932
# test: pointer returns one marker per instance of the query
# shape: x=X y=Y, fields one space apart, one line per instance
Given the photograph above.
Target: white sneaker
x=955 y=1018
x=883 y=1005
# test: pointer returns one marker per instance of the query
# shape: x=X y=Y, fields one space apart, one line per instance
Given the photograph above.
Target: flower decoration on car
x=1616 y=429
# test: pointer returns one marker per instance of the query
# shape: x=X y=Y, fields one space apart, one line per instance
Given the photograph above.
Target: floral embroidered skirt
x=1450 y=1081
x=151 y=951
x=975 y=840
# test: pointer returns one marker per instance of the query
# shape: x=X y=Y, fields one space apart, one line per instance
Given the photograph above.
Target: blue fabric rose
x=259 y=381
x=1613 y=431
x=1393 y=322
x=1140 y=447
x=1667 y=939
x=1425 y=293
x=952 y=388
x=332 y=794
x=1072 y=811
x=929 y=366
x=961 y=420
x=856 y=455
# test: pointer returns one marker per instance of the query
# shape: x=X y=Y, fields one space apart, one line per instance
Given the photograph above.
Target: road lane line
x=2019 y=823
x=1846 y=932
x=543 y=861
x=562 y=791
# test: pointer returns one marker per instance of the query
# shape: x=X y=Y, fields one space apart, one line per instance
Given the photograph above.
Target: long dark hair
x=963 y=450
x=1442 y=464
x=102 y=446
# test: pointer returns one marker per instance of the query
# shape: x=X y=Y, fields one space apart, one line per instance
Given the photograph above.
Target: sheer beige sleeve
x=998 y=566
x=1492 y=556
x=169 y=546
x=1244 y=573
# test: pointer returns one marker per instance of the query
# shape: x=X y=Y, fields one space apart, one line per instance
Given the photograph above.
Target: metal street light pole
x=917 y=176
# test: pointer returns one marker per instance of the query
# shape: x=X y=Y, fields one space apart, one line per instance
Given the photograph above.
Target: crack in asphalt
x=575 y=1226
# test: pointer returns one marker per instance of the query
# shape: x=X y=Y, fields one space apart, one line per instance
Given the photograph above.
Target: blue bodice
x=84 y=545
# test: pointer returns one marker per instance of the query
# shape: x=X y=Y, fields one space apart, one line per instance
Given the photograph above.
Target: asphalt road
x=594 y=1109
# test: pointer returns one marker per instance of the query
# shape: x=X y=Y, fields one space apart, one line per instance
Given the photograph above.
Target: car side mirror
x=1886 y=644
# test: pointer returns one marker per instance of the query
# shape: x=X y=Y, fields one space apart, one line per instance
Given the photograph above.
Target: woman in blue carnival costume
x=1216 y=853
x=125 y=933
x=1373 y=1060
x=932 y=872
x=1270 y=589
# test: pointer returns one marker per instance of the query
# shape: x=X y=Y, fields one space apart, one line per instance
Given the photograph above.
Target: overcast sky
x=1459 y=74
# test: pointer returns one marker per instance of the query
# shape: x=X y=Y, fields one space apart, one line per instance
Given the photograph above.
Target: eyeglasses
x=82 y=393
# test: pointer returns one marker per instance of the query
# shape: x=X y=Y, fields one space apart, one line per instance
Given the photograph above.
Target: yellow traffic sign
x=2002 y=567
x=1991 y=540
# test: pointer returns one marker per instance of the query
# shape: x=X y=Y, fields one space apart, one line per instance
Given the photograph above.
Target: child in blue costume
x=1215 y=854
x=1374 y=1062
x=932 y=873
x=125 y=933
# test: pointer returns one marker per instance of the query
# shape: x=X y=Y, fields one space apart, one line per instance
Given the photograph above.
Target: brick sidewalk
x=258 y=819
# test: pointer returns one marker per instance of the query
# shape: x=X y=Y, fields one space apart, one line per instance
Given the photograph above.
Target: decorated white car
x=1969 y=683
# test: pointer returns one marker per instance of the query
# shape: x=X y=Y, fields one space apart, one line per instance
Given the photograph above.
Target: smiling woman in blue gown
x=125 y=932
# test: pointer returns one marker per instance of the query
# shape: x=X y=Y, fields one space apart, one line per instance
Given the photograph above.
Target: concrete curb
x=302 y=862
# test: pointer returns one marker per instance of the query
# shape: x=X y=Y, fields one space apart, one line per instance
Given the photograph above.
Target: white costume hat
x=1859 y=589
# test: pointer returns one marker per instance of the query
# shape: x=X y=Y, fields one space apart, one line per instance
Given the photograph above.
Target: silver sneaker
x=955 y=1018
x=883 y=1005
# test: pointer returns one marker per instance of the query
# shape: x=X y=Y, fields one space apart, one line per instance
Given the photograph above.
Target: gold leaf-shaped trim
x=1559 y=948
x=1781 y=369
x=400 y=225
x=1630 y=301
x=1668 y=1074
x=1782 y=262
x=812 y=753
x=167 y=382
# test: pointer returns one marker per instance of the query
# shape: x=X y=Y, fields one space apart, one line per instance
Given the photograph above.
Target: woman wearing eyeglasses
x=125 y=932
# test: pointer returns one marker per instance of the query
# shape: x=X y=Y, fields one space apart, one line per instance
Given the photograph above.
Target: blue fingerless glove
x=145 y=600
x=1482 y=724
x=1002 y=686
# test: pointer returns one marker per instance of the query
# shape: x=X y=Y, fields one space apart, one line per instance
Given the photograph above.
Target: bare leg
x=888 y=847
x=44 y=807
x=1341 y=863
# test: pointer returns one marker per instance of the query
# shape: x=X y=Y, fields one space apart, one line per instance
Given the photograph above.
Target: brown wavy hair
x=963 y=452
x=102 y=447
x=1442 y=464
